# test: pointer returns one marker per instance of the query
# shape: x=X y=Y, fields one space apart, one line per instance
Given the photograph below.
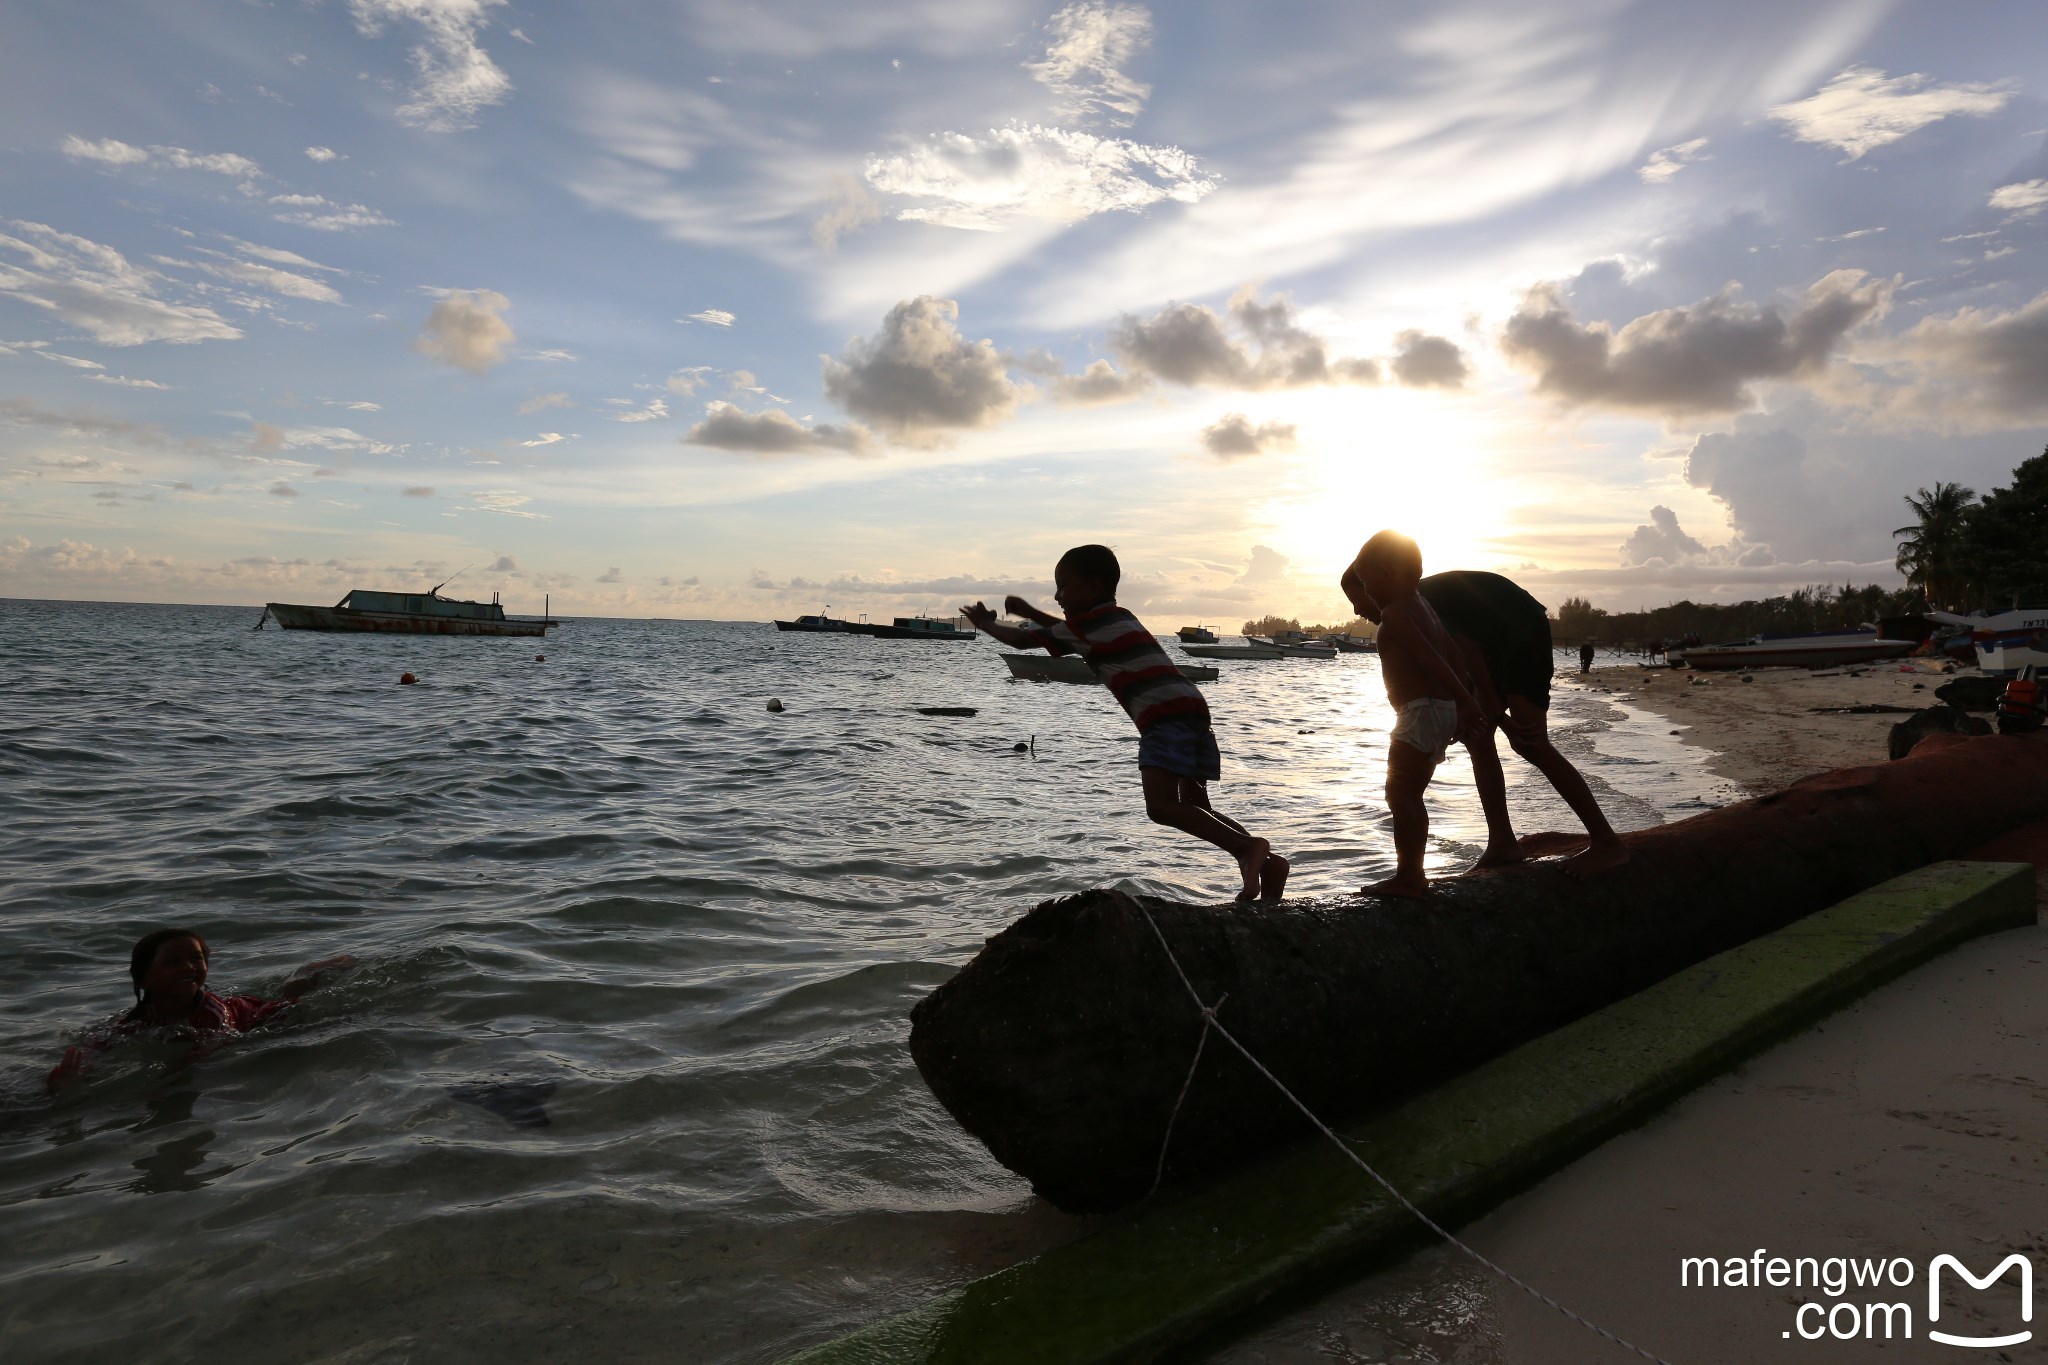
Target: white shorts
x=1428 y=724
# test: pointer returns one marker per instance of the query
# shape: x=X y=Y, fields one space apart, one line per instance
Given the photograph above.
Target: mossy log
x=1063 y=1045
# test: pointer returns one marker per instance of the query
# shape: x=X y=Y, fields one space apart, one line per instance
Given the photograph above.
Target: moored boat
x=820 y=624
x=1295 y=645
x=401 y=613
x=1072 y=668
x=2005 y=641
x=1196 y=635
x=1818 y=649
x=1251 y=649
x=914 y=628
x=1351 y=644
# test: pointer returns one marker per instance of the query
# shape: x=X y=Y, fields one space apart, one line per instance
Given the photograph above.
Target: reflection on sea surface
x=611 y=890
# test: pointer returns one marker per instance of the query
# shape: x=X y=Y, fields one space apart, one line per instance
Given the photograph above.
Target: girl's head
x=169 y=966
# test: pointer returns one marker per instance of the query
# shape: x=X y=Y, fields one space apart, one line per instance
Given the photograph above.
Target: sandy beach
x=1909 y=1124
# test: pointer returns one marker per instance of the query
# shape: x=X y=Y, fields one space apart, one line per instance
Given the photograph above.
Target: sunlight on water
x=611 y=889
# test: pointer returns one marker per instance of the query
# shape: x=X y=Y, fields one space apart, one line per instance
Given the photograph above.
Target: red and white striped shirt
x=1129 y=660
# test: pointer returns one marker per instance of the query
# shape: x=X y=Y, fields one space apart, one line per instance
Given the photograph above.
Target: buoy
x=540 y=658
x=407 y=678
x=774 y=704
x=1018 y=747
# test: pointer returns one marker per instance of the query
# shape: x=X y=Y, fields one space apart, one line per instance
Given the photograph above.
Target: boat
x=1196 y=635
x=403 y=613
x=914 y=628
x=1248 y=650
x=2005 y=641
x=1073 y=668
x=1295 y=645
x=1351 y=644
x=1815 y=649
x=819 y=624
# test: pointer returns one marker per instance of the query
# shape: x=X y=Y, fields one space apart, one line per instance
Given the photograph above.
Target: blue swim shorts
x=1184 y=747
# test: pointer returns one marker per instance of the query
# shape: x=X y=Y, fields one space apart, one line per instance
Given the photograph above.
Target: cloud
x=123 y=381
x=504 y=564
x=1027 y=171
x=1979 y=362
x=419 y=491
x=655 y=411
x=465 y=331
x=326 y=215
x=919 y=377
x=1669 y=161
x=1664 y=543
x=283 y=490
x=1860 y=110
x=97 y=290
x=113 y=153
x=266 y=438
x=1234 y=437
x=269 y=277
x=1191 y=344
x=2022 y=199
x=1698 y=359
x=75 y=362
x=774 y=432
x=687 y=380
x=456 y=78
x=323 y=154
x=546 y=438
x=611 y=575
x=505 y=502
x=849 y=209
x=540 y=402
x=1422 y=361
x=1084 y=60
x=551 y=357
x=1100 y=383
x=712 y=317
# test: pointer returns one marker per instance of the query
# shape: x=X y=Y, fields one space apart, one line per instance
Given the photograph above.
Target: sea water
x=683 y=929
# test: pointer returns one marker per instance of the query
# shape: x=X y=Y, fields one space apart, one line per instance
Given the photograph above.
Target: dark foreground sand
x=1913 y=1123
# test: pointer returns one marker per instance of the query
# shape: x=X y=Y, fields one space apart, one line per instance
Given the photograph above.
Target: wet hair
x=143 y=955
x=1094 y=561
x=1395 y=551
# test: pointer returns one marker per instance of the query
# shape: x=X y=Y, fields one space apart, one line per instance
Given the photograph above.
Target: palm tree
x=1929 y=549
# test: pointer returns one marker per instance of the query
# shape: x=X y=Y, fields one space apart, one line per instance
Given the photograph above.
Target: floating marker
x=774 y=704
x=407 y=678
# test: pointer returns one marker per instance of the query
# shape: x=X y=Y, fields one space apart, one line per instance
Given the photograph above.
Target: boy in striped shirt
x=1177 y=756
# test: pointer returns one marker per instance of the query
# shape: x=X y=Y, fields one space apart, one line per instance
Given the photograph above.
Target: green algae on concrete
x=1183 y=1268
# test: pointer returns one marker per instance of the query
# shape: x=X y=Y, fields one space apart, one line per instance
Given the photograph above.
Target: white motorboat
x=1074 y=669
x=2006 y=641
x=1295 y=645
x=1817 y=649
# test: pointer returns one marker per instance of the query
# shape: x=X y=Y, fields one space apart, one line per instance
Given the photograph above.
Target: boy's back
x=1128 y=659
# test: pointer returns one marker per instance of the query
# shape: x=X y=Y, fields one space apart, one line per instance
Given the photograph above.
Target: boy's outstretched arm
x=985 y=620
x=1017 y=606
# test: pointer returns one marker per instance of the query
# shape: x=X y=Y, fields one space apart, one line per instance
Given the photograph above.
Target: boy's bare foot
x=1505 y=856
x=1412 y=888
x=1273 y=877
x=1599 y=856
x=1251 y=863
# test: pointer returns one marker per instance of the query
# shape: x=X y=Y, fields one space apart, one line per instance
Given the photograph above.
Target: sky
x=711 y=309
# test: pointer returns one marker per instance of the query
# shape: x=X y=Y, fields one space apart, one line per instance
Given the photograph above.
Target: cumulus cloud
x=1100 y=383
x=97 y=290
x=1234 y=437
x=919 y=377
x=1698 y=359
x=1088 y=47
x=455 y=77
x=540 y=402
x=1669 y=161
x=712 y=317
x=110 y=152
x=1422 y=361
x=2022 y=199
x=1979 y=363
x=1861 y=110
x=849 y=208
x=1057 y=175
x=504 y=564
x=1665 y=543
x=774 y=432
x=326 y=215
x=1192 y=345
x=466 y=331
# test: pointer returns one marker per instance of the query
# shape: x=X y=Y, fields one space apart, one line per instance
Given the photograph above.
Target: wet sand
x=1911 y=1124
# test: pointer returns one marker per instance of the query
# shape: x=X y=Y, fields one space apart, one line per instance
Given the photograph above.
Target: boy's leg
x=1408 y=772
x=1165 y=805
x=1492 y=785
x=1273 y=874
x=1530 y=736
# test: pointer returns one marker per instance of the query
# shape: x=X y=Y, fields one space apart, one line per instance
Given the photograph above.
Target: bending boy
x=1177 y=755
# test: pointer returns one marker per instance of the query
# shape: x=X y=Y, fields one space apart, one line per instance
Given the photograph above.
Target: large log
x=1063 y=1045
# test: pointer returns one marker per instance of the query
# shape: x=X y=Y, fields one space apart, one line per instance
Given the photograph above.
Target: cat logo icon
x=2026 y=1299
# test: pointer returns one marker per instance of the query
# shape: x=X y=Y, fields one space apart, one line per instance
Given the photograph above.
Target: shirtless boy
x=1177 y=756
x=1428 y=685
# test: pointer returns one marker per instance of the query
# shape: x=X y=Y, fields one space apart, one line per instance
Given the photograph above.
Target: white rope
x=1210 y=1021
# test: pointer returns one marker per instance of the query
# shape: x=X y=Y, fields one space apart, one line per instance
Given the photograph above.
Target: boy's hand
x=980 y=615
x=1017 y=606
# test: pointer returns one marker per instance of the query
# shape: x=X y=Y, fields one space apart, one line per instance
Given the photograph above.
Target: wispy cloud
x=110 y=152
x=2022 y=199
x=1084 y=61
x=1669 y=161
x=455 y=77
x=712 y=317
x=655 y=411
x=327 y=215
x=97 y=290
x=981 y=182
x=1861 y=109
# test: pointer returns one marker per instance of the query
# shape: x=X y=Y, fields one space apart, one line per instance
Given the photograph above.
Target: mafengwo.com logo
x=1869 y=1298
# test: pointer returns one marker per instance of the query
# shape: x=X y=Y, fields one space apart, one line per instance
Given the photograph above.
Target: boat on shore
x=820 y=624
x=1196 y=635
x=914 y=628
x=402 y=613
x=1072 y=668
x=1817 y=649
x=2005 y=641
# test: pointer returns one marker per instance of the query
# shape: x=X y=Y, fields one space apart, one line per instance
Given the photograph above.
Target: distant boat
x=1074 y=669
x=2005 y=641
x=401 y=613
x=1295 y=645
x=1818 y=649
x=820 y=624
x=914 y=628
x=1351 y=644
x=1197 y=635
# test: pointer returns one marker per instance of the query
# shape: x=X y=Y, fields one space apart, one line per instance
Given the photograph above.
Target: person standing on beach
x=1585 y=650
x=1177 y=754
x=1503 y=637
